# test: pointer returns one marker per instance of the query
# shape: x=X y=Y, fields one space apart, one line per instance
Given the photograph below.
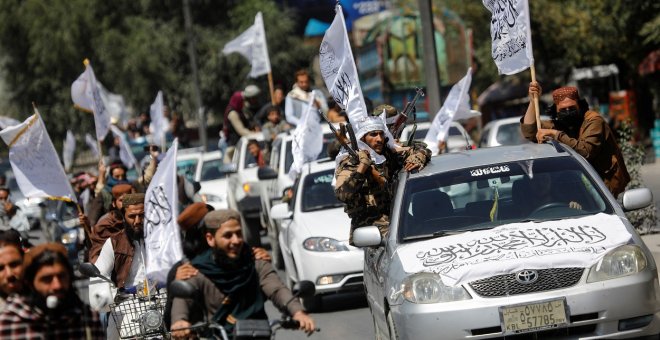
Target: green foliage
x=136 y=49
x=633 y=154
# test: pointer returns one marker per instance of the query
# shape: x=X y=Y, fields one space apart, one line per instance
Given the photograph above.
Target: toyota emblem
x=527 y=276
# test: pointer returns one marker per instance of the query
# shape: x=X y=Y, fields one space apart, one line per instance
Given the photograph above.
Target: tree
x=136 y=49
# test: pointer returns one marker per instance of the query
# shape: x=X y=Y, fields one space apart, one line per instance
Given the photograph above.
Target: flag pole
x=535 y=99
x=270 y=87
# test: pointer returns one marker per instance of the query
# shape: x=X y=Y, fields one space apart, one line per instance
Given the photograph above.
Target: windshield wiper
x=323 y=207
x=435 y=234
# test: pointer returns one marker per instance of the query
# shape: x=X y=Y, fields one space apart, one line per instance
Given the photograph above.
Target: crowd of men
x=36 y=285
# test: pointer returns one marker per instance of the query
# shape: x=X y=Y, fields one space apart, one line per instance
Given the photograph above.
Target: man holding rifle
x=364 y=172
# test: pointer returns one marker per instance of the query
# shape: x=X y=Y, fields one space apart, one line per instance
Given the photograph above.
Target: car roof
x=510 y=120
x=318 y=165
x=487 y=156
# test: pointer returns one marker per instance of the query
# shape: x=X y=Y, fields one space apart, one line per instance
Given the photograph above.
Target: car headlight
x=324 y=244
x=69 y=237
x=428 y=288
x=152 y=319
x=622 y=261
x=211 y=198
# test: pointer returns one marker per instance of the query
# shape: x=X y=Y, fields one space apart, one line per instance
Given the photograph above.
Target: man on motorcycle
x=234 y=285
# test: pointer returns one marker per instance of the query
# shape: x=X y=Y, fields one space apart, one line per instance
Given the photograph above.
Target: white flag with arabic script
x=307 y=139
x=34 y=160
x=68 y=150
x=252 y=45
x=86 y=95
x=511 y=35
x=455 y=107
x=339 y=71
x=161 y=231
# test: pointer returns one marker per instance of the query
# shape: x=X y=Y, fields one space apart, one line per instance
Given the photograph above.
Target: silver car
x=525 y=242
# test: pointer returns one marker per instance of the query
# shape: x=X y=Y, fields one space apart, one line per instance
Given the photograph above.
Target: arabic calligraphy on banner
x=579 y=242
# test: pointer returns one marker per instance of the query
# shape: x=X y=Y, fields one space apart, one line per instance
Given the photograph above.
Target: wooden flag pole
x=270 y=87
x=536 y=99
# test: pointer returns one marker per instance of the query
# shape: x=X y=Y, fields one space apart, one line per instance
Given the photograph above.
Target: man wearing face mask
x=49 y=308
x=583 y=130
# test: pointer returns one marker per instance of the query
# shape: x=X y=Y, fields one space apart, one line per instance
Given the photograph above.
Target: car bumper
x=596 y=311
x=345 y=264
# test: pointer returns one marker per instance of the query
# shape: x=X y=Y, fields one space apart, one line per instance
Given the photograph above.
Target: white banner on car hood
x=470 y=256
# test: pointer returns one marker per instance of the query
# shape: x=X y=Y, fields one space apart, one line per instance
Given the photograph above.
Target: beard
x=132 y=233
x=225 y=261
x=66 y=302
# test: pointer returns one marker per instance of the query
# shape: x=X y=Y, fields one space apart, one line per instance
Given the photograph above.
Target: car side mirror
x=280 y=211
x=367 y=237
x=229 y=168
x=639 y=198
x=90 y=270
x=304 y=289
x=266 y=173
x=182 y=289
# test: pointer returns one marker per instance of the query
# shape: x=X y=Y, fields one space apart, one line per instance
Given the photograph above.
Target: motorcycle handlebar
x=289 y=323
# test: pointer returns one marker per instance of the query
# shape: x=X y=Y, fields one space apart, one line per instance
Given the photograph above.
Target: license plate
x=534 y=317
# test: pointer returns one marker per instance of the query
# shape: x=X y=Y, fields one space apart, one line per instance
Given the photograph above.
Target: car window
x=187 y=168
x=211 y=170
x=275 y=154
x=509 y=134
x=484 y=138
x=288 y=156
x=454 y=131
x=250 y=161
x=318 y=193
x=496 y=194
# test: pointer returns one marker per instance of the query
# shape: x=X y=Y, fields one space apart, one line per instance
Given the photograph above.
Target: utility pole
x=201 y=116
x=431 y=71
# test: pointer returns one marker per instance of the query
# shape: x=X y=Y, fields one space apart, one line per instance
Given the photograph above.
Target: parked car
x=314 y=236
x=274 y=182
x=244 y=188
x=488 y=263
x=505 y=131
x=457 y=138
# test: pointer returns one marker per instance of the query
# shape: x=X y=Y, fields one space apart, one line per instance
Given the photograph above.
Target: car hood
x=333 y=223
x=571 y=242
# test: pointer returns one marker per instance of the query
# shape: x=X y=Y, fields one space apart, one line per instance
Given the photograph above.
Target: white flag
x=7 y=122
x=86 y=95
x=158 y=120
x=455 y=107
x=68 y=150
x=125 y=153
x=307 y=139
x=115 y=105
x=93 y=145
x=511 y=35
x=339 y=71
x=252 y=45
x=161 y=230
x=34 y=160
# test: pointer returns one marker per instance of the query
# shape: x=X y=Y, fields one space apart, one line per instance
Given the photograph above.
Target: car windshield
x=318 y=193
x=187 y=167
x=509 y=134
x=211 y=170
x=490 y=195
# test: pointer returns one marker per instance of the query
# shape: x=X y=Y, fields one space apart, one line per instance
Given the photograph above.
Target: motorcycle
x=137 y=312
x=243 y=329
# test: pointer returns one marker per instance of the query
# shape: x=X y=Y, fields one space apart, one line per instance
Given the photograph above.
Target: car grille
x=548 y=279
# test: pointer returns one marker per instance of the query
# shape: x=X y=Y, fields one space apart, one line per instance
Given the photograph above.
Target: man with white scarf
x=296 y=100
x=367 y=201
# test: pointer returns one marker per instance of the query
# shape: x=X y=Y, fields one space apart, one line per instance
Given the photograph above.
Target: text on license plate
x=533 y=317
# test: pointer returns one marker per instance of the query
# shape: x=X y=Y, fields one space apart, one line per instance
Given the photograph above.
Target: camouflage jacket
x=364 y=198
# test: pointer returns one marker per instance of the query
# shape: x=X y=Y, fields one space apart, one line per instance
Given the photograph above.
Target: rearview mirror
x=304 y=289
x=367 y=237
x=639 y=198
x=182 y=289
x=266 y=173
x=280 y=211
x=90 y=270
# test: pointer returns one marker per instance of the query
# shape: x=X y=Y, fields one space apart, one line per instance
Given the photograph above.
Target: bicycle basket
x=139 y=316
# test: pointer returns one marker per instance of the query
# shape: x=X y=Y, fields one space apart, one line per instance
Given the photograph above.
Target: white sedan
x=314 y=236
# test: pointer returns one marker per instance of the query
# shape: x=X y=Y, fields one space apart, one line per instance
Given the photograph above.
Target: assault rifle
x=400 y=122
x=353 y=148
